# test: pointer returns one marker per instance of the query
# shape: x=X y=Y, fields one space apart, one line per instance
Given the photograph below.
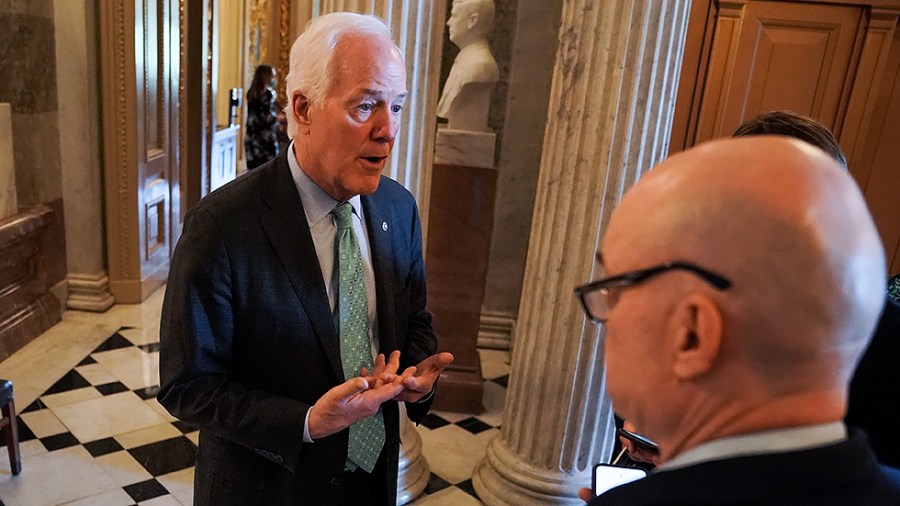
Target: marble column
x=610 y=116
x=79 y=144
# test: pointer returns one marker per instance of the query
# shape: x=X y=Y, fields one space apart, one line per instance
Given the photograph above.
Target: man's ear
x=698 y=336
x=300 y=108
x=472 y=21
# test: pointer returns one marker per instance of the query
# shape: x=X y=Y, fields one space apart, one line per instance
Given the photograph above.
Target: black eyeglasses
x=594 y=296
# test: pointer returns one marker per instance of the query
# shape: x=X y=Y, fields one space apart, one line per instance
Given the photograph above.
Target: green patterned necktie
x=352 y=315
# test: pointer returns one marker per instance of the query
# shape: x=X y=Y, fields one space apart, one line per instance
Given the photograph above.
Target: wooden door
x=139 y=67
x=777 y=55
x=834 y=62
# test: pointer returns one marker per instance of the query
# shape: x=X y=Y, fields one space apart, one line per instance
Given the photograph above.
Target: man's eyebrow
x=371 y=92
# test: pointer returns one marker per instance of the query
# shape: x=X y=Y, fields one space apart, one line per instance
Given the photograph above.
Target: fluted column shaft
x=609 y=120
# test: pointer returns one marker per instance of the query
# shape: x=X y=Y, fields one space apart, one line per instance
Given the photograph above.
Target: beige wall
x=232 y=42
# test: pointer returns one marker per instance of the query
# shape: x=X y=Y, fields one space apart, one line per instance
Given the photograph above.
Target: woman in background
x=261 y=140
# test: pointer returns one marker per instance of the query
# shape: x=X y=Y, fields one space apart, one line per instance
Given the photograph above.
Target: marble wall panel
x=28 y=66
x=41 y=8
x=27 y=56
x=37 y=158
x=519 y=148
x=8 y=205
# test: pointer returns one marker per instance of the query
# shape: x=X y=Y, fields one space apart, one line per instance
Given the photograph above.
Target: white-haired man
x=289 y=287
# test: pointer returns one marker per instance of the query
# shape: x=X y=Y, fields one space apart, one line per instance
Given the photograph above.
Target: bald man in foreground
x=736 y=313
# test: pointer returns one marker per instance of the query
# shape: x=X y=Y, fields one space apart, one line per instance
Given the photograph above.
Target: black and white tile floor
x=92 y=433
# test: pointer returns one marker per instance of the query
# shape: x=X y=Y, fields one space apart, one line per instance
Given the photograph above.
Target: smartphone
x=607 y=476
x=639 y=440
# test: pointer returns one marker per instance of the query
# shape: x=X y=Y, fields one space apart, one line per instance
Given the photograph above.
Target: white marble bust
x=467 y=92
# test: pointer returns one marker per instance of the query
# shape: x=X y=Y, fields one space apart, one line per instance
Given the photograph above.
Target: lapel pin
x=384 y=226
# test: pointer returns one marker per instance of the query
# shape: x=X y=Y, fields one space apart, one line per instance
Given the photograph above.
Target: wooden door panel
x=839 y=64
x=154 y=84
x=801 y=55
x=779 y=56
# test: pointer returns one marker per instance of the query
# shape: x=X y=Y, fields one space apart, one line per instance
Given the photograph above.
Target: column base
x=89 y=292
x=502 y=478
x=413 y=471
x=495 y=330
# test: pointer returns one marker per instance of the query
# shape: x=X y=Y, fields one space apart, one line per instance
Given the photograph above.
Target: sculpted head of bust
x=470 y=20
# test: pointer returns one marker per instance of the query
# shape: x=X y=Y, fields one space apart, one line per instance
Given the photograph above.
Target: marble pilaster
x=609 y=120
x=521 y=134
x=8 y=202
x=79 y=141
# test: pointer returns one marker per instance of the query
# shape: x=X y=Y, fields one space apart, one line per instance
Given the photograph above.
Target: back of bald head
x=791 y=230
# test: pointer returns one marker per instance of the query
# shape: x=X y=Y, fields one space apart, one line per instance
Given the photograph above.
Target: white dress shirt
x=322 y=225
x=758 y=443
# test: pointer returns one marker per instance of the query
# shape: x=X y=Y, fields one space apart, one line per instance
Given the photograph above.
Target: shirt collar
x=769 y=441
x=316 y=203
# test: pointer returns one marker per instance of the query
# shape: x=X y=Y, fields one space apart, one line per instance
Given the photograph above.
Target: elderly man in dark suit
x=736 y=313
x=291 y=285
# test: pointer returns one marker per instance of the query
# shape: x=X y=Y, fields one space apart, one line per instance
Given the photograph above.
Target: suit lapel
x=378 y=223
x=288 y=231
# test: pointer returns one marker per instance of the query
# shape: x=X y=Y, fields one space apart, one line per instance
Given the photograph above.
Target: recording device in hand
x=639 y=441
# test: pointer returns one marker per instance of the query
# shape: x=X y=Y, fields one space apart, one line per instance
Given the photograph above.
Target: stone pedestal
x=463 y=148
x=461 y=219
x=609 y=120
x=8 y=202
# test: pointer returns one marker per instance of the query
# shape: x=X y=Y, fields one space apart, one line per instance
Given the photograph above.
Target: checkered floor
x=97 y=436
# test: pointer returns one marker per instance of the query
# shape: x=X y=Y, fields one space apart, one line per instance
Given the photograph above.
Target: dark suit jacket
x=248 y=342
x=843 y=474
x=874 y=400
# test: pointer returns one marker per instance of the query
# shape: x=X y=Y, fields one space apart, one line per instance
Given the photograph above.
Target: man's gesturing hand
x=346 y=404
x=418 y=381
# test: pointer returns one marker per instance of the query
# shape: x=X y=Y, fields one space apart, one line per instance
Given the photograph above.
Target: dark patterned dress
x=261 y=141
x=894 y=288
